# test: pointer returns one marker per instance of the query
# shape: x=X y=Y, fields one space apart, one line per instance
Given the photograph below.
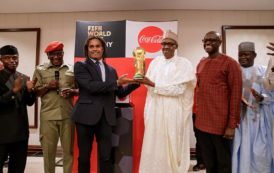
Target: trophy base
x=138 y=77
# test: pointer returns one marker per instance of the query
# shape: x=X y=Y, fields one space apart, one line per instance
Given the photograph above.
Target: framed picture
x=27 y=41
x=233 y=35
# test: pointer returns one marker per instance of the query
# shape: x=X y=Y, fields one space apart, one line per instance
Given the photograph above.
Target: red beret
x=54 y=46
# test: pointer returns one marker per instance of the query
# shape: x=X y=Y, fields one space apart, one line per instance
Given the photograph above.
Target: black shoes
x=198 y=167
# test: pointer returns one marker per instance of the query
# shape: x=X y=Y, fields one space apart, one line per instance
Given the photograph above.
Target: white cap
x=247 y=46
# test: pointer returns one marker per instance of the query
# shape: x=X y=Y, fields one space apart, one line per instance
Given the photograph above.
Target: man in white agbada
x=252 y=149
x=170 y=82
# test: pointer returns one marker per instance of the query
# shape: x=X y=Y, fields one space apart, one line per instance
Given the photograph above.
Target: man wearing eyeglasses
x=167 y=116
x=16 y=93
x=55 y=86
x=218 y=96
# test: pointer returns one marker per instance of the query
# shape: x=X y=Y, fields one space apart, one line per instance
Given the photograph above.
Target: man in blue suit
x=94 y=113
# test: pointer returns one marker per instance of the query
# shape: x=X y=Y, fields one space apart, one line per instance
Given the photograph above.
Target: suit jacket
x=96 y=96
x=14 y=124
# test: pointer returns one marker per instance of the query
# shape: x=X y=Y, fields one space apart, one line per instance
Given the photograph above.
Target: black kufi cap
x=8 y=50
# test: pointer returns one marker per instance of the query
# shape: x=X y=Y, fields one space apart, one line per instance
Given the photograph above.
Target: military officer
x=55 y=86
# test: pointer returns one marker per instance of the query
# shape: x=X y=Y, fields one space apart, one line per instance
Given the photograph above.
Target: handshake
x=125 y=80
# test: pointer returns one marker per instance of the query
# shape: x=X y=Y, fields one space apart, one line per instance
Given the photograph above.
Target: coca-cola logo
x=150 y=38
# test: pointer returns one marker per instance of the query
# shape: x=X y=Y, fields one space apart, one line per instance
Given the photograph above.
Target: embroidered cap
x=170 y=35
x=246 y=46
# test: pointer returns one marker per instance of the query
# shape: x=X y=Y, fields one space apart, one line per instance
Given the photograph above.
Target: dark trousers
x=17 y=153
x=198 y=143
x=216 y=152
x=85 y=134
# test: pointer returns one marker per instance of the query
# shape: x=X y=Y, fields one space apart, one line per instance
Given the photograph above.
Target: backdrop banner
x=112 y=32
x=122 y=37
x=147 y=35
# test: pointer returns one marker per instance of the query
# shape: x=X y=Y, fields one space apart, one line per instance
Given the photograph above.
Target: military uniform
x=55 y=114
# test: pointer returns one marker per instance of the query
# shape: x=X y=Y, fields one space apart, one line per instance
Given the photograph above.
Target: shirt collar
x=50 y=65
x=93 y=60
x=170 y=59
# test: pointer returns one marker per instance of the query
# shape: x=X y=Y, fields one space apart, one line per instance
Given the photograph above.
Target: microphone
x=57 y=77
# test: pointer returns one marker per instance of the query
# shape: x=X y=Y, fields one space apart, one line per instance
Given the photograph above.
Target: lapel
x=4 y=77
x=92 y=68
x=10 y=81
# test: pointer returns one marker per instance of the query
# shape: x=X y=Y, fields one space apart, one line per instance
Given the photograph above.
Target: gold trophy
x=139 y=62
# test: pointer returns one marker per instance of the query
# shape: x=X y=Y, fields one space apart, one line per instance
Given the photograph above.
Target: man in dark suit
x=94 y=113
x=15 y=94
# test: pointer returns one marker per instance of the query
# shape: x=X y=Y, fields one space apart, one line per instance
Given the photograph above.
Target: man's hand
x=17 y=84
x=42 y=90
x=271 y=47
x=69 y=92
x=124 y=80
x=245 y=102
x=145 y=81
x=229 y=133
x=258 y=97
x=30 y=84
x=53 y=84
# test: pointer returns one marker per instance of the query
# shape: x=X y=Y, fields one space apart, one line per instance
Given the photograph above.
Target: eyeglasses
x=10 y=57
x=169 y=44
x=53 y=54
x=210 y=40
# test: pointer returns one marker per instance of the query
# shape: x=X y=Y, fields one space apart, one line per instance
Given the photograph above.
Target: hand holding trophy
x=139 y=62
x=140 y=67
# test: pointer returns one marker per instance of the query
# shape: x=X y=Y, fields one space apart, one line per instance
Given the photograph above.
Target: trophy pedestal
x=138 y=76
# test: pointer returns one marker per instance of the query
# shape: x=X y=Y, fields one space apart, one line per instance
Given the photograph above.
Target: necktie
x=98 y=68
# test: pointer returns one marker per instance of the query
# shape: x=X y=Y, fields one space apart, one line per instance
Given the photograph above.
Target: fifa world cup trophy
x=139 y=62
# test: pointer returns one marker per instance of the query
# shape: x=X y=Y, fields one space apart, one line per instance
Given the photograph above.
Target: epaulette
x=70 y=67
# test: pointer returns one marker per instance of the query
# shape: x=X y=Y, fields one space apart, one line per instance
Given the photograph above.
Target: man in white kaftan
x=252 y=149
x=170 y=82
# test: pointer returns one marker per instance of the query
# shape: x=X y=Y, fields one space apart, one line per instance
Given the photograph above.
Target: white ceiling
x=34 y=6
